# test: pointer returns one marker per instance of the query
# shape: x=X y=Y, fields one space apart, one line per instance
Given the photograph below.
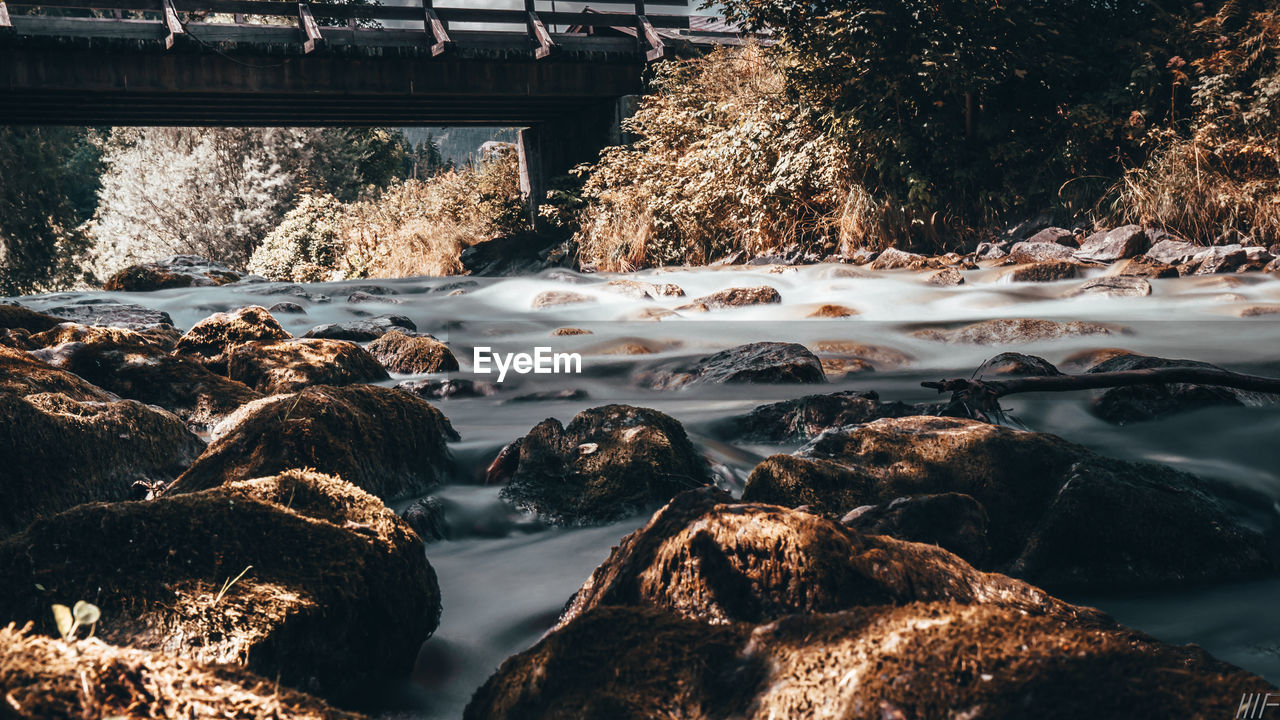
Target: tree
x=48 y=183
x=348 y=162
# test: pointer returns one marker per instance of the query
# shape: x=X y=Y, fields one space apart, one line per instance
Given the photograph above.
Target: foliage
x=723 y=160
x=959 y=112
x=305 y=246
x=347 y=162
x=48 y=188
x=425 y=160
x=71 y=619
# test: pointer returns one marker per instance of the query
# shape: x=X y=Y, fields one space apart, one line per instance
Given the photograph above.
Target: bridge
x=563 y=76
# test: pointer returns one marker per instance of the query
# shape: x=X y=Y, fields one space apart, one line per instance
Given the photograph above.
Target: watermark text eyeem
x=542 y=361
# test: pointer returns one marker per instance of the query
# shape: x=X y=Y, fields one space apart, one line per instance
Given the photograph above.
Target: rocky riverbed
x=738 y=502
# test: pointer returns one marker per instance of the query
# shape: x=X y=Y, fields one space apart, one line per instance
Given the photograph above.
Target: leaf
x=86 y=613
x=66 y=623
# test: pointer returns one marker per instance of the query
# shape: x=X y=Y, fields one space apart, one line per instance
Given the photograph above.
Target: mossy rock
x=384 y=440
x=289 y=365
x=412 y=355
x=337 y=598
x=211 y=340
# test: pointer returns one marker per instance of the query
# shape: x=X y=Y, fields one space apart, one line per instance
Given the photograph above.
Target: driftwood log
x=980 y=399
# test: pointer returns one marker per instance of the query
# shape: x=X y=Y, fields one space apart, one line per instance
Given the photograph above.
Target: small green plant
x=229 y=583
x=71 y=619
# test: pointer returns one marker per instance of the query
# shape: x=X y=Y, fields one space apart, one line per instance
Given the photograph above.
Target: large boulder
x=760 y=362
x=138 y=366
x=924 y=660
x=1170 y=251
x=301 y=578
x=412 y=355
x=211 y=340
x=1116 y=244
x=953 y=521
x=608 y=462
x=48 y=679
x=283 y=366
x=362 y=330
x=1012 y=364
x=1046 y=271
x=17 y=317
x=1060 y=515
x=178 y=271
x=1008 y=331
x=384 y=440
x=807 y=417
x=24 y=374
x=113 y=314
x=1035 y=252
x=1138 y=403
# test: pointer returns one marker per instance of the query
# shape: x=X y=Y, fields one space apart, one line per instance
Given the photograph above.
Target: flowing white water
x=503 y=586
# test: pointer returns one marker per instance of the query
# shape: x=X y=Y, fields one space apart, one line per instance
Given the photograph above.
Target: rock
x=444 y=389
x=401 y=353
x=608 y=462
x=290 y=289
x=1009 y=331
x=895 y=259
x=1144 y=266
x=289 y=365
x=114 y=314
x=1012 y=364
x=641 y=290
x=807 y=417
x=927 y=660
x=450 y=288
x=48 y=679
x=360 y=296
x=1082 y=360
x=1258 y=310
x=1172 y=252
x=1060 y=516
x=14 y=317
x=1273 y=266
x=761 y=362
x=524 y=253
x=211 y=340
x=1114 y=286
x=832 y=311
x=426 y=517
x=139 y=367
x=1138 y=403
x=178 y=271
x=1056 y=235
x=705 y=557
x=952 y=521
x=378 y=290
x=61 y=451
x=363 y=330
x=383 y=440
x=737 y=297
x=554 y=298
x=1257 y=258
x=567 y=331
x=1220 y=260
x=946 y=277
x=1034 y=252
x=1117 y=244
x=992 y=250
x=287 y=308
x=838 y=367
x=300 y=577
x=548 y=395
x=1047 y=271
x=23 y=374
x=881 y=357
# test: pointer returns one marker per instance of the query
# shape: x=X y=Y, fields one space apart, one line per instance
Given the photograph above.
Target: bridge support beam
x=553 y=148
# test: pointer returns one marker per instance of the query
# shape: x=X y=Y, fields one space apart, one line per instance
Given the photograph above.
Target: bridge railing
x=176 y=18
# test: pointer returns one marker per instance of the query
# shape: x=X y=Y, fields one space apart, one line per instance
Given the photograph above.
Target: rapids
x=504 y=583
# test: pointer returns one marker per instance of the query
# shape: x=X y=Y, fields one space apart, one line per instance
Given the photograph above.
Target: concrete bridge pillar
x=553 y=148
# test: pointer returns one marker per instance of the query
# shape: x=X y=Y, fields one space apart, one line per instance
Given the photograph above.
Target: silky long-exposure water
x=504 y=580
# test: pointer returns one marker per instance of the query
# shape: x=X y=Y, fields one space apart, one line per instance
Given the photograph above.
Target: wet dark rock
x=322 y=587
x=292 y=290
x=114 y=314
x=1224 y=259
x=48 y=679
x=412 y=355
x=1046 y=271
x=736 y=297
x=445 y=389
x=1145 y=267
x=1056 y=235
x=24 y=374
x=1116 y=244
x=548 y=395
x=946 y=277
x=762 y=362
x=385 y=441
x=363 y=330
x=519 y=254
x=1060 y=515
x=450 y=287
x=1172 y=251
x=211 y=340
x=1138 y=403
x=287 y=308
x=641 y=290
x=426 y=517
x=15 y=317
x=360 y=297
x=138 y=366
x=1012 y=364
x=895 y=259
x=952 y=521
x=1009 y=331
x=555 y=298
x=284 y=366
x=377 y=290
x=1034 y=252
x=924 y=660
x=178 y=271
x=807 y=417
x=1114 y=286
x=608 y=462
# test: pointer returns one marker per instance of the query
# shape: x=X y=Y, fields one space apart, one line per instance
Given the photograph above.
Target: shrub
x=306 y=246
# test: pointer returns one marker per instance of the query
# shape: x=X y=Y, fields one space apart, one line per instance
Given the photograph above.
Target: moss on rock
x=290 y=365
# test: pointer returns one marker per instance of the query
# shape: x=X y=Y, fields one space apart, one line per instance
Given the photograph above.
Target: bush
x=306 y=246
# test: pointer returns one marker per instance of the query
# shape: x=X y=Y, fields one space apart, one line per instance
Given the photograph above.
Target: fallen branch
x=980 y=399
